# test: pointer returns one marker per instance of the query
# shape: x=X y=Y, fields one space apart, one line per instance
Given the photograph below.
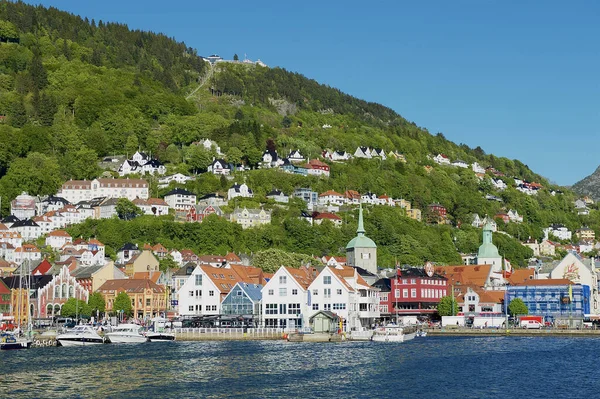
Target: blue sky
x=518 y=78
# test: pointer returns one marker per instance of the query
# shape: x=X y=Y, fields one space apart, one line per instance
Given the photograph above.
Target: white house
x=219 y=167
x=180 y=199
x=336 y=156
x=441 y=159
x=477 y=168
x=239 y=190
x=331 y=198
x=499 y=184
x=23 y=206
x=57 y=238
x=209 y=145
x=296 y=156
x=378 y=153
x=26 y=252
x=514 y=216
x=363 y=152
x=75 y=191
x=270 y=159
x=557 y=230
x=278 y=196
x=369 y=198
x=460 y=163
x=250 y=217
x=152 y=206
x=177 y=177
x=28 y=229
x=285 y=299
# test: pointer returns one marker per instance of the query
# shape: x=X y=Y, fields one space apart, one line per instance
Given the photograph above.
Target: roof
x=490 y=296
x=330 y=315
x=223 y=279
x=301 y=276
x=254 y=291
x=179 y=191
x=86 y=271
x=326 y=215
x=521 y=276
x=24 y=223
x=130 y=285
x=42 y=268
x=548 y=281
x=152 y=276
x=329 y=193
x=476 y=275
x=59 y=233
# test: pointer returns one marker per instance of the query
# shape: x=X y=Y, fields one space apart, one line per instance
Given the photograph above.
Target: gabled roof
x=253 y=291
x=548 y=281
x=128 y=247
x=326 y=215
x=42 y=268
x=25 y=223
x=476 y=275
x=152 y=276
x=521 y=276
x=179 y=191
x=130 y=286
x=59 y=233
x=330 y=192
x=301 y=276
x=223 y=279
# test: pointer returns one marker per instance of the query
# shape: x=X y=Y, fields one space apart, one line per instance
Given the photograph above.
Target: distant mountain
x=589 y=185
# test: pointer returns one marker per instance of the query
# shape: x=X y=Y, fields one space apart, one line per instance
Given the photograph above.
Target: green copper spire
x=487 y=248
x=361 y=227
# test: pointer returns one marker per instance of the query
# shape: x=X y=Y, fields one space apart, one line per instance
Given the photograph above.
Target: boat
x=421 y=333
x=394 y=333
x=126 y=333
x=10 y=341
x=80 y=336
x=158 y=333
x=360 y=335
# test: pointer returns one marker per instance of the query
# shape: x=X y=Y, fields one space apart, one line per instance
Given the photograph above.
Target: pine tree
x=38 y=73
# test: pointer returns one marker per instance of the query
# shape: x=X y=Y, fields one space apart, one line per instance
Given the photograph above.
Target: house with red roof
x=319 y=217
x=317 y=168
x=331 y=198
x=57 y=239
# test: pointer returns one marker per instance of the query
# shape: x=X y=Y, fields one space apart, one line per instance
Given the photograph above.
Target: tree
x=447 y=306
x=234 y=155
x=75 y=308
x=235 y=57
x=517 y=307
x=132 y=144
x=123 y=304
x=199 y=158
x=167 y=263
x=8 y=32
x=127 y=210
x=96 y=303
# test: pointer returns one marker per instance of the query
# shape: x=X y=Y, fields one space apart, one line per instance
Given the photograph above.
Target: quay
x=521 y=332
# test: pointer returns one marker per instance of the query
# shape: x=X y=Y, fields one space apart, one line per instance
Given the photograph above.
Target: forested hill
x=74 y=90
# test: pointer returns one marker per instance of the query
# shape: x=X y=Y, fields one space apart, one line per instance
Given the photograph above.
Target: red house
x=413 y=291
x=437 y=213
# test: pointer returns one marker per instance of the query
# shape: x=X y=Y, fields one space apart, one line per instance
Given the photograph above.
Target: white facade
x=285 y=301
x=177 y=177
x=331 y=198
x=219 y=167
x=560 y=232
x=57 y=239
x=180 y=199
x=239 y=190
x=441 y=159
x=202 y=292
x=84 y=190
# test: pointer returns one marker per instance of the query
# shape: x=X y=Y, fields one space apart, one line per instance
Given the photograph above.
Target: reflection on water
x=430 y=367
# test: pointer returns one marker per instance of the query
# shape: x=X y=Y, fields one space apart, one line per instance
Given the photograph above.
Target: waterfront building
x=285 y=298
x=50 y=298
x=361 y=251
x=574 y=270
x=412 y=291
x=148 y=299
x=244 y=300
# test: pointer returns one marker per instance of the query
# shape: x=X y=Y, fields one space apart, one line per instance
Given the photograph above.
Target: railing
x=230 y=333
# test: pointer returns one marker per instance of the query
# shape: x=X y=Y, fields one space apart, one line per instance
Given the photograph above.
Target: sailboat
x=15 y=339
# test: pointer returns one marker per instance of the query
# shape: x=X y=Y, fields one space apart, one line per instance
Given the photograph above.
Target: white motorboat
x=126 y=333
x=80 y=336
x=360 y=335
x=394 y=333
x=421 y=333
x=158 y=332
x=10 y=341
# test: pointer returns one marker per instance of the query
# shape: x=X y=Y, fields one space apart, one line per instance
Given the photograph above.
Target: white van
x=531 y=324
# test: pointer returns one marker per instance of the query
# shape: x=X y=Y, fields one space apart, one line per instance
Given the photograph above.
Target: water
x=432 y=367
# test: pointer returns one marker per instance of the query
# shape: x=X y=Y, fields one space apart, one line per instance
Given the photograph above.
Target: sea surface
x=431 y=367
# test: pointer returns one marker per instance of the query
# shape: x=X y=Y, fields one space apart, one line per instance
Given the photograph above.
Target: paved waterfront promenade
x=548 y=332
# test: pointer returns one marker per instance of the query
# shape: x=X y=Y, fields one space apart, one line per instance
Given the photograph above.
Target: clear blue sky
x=518 y=78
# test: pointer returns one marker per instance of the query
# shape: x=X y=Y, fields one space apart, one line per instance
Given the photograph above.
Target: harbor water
x=431 y=367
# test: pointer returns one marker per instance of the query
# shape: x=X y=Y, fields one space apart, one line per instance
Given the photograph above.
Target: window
x=294 y=292
x=221 y=275
x=147 y=301
x=327 y=306
x=339 y=306
x=198 y=292
x=270 y=292
x=282 y=279
x=413 y=281
x=315 y=306
x=282 y=291
x=405 y=293
x=198 y=279
x=191 y=293
x=327 y=293
x=404 y=281
x=339 y=291
x=396 y=293
x=383 y=308
x=326 y=279
x=214 y=308
x=211 y=293
x=239 y=293
x=315 y=292
x=271 y=308
x=294 y=308
x=191 y=308
x=282 y=308
x=413 y=293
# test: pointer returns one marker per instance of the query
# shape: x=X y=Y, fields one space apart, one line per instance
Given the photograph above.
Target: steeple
x=361 y=227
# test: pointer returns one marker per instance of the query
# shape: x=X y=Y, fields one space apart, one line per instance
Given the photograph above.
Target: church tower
x=488 y=253
x=361 y=251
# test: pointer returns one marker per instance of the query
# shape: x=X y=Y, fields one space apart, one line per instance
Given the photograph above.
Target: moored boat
x=80 y=336
x=394 y=333
x=126 y=333
x=160 y=336
x=10 y=341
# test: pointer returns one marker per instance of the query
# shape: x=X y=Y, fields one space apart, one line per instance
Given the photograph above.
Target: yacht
x=126 y=333
x=394 y=333
x=78 y=336
x=158 y=332
x=9 y=341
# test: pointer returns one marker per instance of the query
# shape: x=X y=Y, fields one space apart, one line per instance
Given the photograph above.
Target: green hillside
x=73 y=91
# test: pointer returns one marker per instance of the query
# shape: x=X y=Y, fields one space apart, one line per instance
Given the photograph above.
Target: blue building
x=243 y=299
x=552 y=298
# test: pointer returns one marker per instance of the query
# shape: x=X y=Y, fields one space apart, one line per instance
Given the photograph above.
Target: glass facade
x=553 y=301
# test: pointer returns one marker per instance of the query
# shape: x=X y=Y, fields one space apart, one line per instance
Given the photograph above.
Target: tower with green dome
x=488 y=252
x=361 y=251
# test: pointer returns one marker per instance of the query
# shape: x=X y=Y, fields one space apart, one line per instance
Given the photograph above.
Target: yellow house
x=143 y=262
x=147 y=298
x=107 y=272
x=414 y=213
